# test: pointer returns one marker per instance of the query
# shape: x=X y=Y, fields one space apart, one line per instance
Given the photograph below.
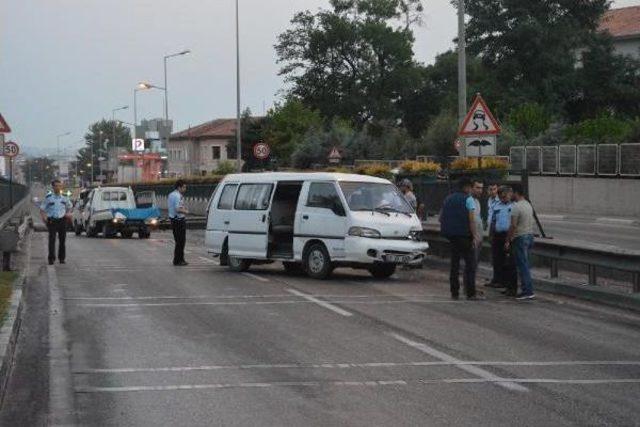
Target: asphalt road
x=153 y=344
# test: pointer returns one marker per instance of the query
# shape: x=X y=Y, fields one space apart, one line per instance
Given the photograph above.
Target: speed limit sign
x=11 y=149
x=261 y=151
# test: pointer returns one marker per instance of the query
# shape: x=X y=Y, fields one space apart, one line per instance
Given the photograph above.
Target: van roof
x=302 y=176
x=112 y=188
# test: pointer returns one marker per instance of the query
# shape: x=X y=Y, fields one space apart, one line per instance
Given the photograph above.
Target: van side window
x=254 y=197
x=106 y=196
x=226 y=198
x=323 y=195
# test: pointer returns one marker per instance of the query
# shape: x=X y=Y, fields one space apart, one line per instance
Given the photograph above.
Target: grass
x=6 y=287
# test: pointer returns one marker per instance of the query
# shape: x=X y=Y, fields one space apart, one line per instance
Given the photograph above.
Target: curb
x=10 y=330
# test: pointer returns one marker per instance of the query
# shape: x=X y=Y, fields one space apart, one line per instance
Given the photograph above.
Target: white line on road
x=308 y=299
x=354 y=366
x=160 y=297
x=255 y=277
x=486 y=375
x=373 y=383
x=320 y=302
x=207 y=260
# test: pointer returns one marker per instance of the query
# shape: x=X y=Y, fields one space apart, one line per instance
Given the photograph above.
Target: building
x=623 y=25
x=200 y=150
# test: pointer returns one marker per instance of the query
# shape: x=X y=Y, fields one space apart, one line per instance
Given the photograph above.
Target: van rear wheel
x=239 y=264
x=317 y=262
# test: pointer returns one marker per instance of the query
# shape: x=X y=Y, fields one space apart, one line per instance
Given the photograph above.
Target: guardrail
x=557 y=253
x=10 y=194
x=12 y=229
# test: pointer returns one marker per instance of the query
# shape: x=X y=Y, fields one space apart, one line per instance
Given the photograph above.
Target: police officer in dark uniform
x=55 y=211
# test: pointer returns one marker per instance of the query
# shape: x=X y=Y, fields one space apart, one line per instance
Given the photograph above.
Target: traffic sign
x=4 y=127
x=137 y=144
x=478 y=146
x=479 y=120
x=11 y=149
x=261 y=151
x=335 y=156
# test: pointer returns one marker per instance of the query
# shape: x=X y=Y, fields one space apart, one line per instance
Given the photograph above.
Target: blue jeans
x=522 y=246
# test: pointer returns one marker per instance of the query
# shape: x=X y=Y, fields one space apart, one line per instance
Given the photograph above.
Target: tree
x=529 y=47
x=98 y=139
x=354 y=61
x=252 y=133
x=441 y=135
x=530 y=119
x=317 y=143
x=39 y=169
x=285 y=126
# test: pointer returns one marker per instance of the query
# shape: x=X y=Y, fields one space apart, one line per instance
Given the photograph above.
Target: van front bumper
x=397 y=251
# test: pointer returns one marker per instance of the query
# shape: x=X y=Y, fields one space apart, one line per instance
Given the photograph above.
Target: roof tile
x=622 y=22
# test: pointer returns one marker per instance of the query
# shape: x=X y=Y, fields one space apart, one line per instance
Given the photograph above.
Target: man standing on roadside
x=458 y=225
x=492 y=202
x=55 y=210
x=177 y=215
x=520 y=238
x=476 y=193
x=503 y=262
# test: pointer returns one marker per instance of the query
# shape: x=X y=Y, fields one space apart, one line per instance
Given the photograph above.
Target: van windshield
x=370 y=196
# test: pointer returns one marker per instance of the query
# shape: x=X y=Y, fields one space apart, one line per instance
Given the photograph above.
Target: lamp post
x=115 y=144
x=139 y=87
x=166 y=94
x=462 y=66
x=238 y=118
x=58 y=143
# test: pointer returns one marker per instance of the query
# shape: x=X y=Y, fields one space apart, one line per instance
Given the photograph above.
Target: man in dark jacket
x=458 y=225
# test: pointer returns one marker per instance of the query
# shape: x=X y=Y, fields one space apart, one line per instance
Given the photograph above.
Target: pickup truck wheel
x=126 y=234
x=77 y=229
x=382 y=271
x=91 y=231
x=239 y=264
x=317 y=263
x=108 y=232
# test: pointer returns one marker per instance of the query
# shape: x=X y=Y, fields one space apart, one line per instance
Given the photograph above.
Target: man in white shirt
x=177 y=215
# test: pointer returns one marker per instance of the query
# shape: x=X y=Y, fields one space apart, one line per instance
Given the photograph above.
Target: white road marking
x=320 y=302
x=207 y=260
x=256 y=277
x=354 y=366
x=160 y=297
x=372 y=383
x=308 y=299
x=486 y=375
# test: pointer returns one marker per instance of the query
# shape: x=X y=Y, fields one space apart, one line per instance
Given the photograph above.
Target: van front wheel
x=317 y=262
x=238 y=264
x=382 y=271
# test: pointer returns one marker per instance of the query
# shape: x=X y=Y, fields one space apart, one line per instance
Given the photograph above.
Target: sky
x=65 y=64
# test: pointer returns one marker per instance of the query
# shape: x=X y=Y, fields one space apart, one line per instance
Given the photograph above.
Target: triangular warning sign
x=4 y=127
x=335 y=154
x=479 y=120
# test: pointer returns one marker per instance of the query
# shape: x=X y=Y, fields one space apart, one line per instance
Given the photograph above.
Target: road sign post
x=479 y=129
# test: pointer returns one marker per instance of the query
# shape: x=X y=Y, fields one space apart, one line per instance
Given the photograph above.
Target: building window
x=215 y=153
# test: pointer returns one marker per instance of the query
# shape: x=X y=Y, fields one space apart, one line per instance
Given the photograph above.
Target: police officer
x=55 y=210
x=177 y=215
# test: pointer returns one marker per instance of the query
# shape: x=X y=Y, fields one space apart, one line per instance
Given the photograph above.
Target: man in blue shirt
x=503 y=262
x=177 y=215
x=55 y=210
x=458 y=225
x=492 y=202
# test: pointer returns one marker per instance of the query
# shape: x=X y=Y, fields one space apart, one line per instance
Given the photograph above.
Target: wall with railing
x=10 y=194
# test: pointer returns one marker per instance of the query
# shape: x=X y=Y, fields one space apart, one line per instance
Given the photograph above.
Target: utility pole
x=238 y=118
x=462 y=68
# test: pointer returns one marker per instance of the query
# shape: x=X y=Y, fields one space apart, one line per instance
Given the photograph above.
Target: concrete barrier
x=585 y=196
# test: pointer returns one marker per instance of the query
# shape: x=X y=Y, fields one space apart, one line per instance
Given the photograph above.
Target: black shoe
x=476 y=297
x=523 y=296
x=181 y=263
x=51 y=261
x=495 y=285
x=62 y=261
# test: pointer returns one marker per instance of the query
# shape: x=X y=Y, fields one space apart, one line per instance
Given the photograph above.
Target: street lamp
x=142 y=86
x=166 y=95
x=115 y=144
x=58 y=142
x=238 y=118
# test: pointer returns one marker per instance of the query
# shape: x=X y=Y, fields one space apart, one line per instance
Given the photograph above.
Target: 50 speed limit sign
x=11 y=149
x=261 y=151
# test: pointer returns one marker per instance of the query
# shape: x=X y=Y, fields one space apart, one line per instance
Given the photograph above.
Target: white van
x=313 y=222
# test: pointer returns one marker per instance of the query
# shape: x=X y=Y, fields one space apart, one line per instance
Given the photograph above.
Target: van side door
x=249 y=224
x=218 y=219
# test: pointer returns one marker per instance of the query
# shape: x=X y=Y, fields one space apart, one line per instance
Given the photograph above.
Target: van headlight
x=364 y=232
x=152 y=221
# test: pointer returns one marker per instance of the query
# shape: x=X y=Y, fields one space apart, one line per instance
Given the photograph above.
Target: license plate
x=398 y=259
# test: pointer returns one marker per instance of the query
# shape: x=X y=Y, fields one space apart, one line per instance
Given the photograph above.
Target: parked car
x=313 y=222
x=113 y=210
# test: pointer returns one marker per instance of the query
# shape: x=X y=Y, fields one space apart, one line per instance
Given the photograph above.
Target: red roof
x=621 y=23
x=219 y=128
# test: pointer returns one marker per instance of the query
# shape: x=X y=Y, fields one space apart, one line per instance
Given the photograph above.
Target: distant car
x=113 y=210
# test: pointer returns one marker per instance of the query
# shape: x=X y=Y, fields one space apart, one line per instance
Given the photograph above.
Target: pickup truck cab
x=313 y=222
x=113 y=210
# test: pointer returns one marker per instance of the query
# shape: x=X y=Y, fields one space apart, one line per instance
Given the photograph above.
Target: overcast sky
x=67 y=63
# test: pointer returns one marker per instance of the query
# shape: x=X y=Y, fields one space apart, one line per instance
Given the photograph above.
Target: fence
x=10 y=195
x=606 y=160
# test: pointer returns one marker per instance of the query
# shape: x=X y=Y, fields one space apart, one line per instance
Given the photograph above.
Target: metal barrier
x=558 y=252
x=10 y=194
x=607 y=160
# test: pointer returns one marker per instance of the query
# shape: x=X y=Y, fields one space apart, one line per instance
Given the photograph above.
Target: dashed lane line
x=369 y=365
x=479 y=372
x=256 y=277
x=320 y=302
